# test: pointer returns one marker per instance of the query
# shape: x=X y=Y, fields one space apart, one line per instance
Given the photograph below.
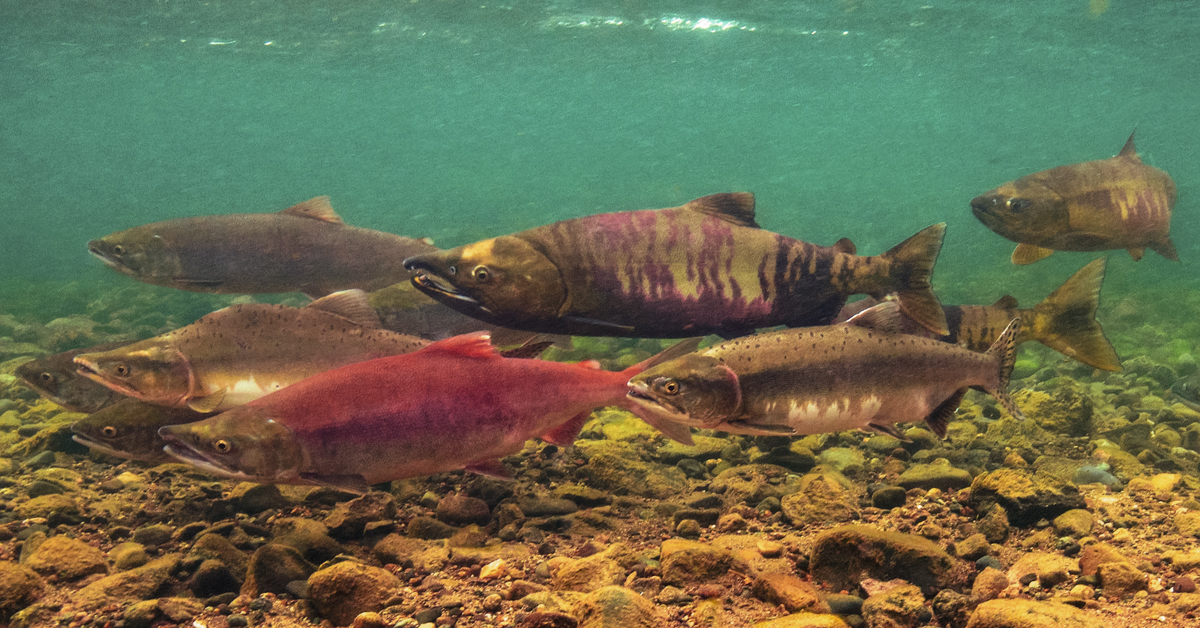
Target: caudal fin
x=1066 y=320
x=1004 y=350
x=911 y=268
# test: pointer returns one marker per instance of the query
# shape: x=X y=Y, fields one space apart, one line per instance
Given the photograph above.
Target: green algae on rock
x=842 y=556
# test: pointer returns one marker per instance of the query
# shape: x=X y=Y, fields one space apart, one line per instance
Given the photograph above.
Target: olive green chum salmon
x=243 y=352
x=1117 y=203
x=704 y=267
x=55 y=378
x=1064 y=321
x=822 y=379
x=129 y=429
x=304 y=248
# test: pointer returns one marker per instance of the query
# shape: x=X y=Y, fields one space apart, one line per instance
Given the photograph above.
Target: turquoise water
x=462 y=120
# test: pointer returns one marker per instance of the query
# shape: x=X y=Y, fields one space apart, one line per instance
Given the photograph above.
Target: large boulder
x=842 y=557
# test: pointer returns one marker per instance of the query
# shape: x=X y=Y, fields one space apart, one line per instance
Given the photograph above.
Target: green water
x=460 y=120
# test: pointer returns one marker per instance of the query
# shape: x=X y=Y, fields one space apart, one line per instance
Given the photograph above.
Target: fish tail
x=1066 y=320
x=1004 y=351
x=911 y=268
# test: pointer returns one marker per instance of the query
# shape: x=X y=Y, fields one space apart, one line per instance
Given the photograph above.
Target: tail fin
x=1004 y=351
x=1066 y=320
x=911 y=267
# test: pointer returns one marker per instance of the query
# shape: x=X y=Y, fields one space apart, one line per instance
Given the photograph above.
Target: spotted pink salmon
x=705 y=267
x=822 y=379
x=1116 y=203
x=457 y=403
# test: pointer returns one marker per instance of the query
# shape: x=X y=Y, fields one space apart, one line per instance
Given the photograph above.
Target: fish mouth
x=94 y=249
x=183 y=453
x=88 y=370
x=641 y=395
x=434 y=285
x=84 y=440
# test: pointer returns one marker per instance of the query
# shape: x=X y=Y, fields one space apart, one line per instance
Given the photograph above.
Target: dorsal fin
x=1129 y=150
x=317 y=208
x=1007 y=302
x=473 y=345
x=885 y=317
x=351 y=305
x=845 y=246
x=732 y=207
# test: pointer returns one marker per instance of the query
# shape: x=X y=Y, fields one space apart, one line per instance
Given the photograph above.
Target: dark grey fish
x=55 y=378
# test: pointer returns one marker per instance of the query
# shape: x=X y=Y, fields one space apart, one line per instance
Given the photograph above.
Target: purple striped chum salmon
x=704 y=267
x=1116 y=203
x=856 y=375
x=304 y=248
x=1064 y=321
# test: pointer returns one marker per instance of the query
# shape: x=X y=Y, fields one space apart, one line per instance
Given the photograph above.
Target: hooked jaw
x=429 y=281
x=643 y=397
x=179 y=449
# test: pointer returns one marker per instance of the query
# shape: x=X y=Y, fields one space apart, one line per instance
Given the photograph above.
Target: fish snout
x=418 y=262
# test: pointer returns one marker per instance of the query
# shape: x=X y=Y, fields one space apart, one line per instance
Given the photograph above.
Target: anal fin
x=1027 y=254
x=491 y=467
x=890 y=430
x=939 y=420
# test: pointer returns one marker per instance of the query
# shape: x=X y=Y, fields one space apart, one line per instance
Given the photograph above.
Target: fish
x=857 y=375
x=1186 y=390
x=404 y=309
x=129 y=429
x=1064 y=321
x=242 y=352
x=304 y=248
x=1116 y=203
x=705 y=267
x=55 y=378
x=455 y=404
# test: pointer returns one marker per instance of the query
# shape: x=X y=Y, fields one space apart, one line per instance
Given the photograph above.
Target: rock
x=1050 y=569
x=989 y=583
x=1098 y=554
x=822 y=498
x=342 y=591
x=994 y=525
x=310 y=538
x=19 y=587
x=620 y=475
x=1075 y=523
x=459 y=510
x=546 y=506
x=689 y=529
x=128 y=555
x=1026 y=496
x=1031 y=614
x=429 y=529
x=172 y=609
x=272 y=567
x=52 y=507
x=558 y=601
x=349 y=519
x=67 y=558
x=973 y=547
x=844 y=604
x=153 y=535
x=952 y=609
x=939 y=475
x=1121 y=579
x=842 y=459
x=704 y=448
x=842 y=557
x=703 y=516
x=804 y=620
x=898 y=607
x=583 y=496
x=124 y=586
x=211 y=578
x=213 y=545
x=690 y=562
x=254 y=498
x=889 y=497
x=548 y=619
x=1067 y=409
x=752 y=483
x=790 y=592
x=606 y=568
x=1188 y=524
x=731 y=522
x=616 y=607
x=401 y=550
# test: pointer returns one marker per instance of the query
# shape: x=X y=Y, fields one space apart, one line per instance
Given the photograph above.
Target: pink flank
x=444 y=407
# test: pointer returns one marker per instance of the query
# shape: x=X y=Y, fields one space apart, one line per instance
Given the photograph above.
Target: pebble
x=492 y=603
x=689 y=529
x=769 y=549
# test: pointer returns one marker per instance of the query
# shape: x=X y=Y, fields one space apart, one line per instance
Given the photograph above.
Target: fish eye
x=118 y=250
x=1018 y=204
x=670 y=386
x=46 y=377
x=222 y=446
x=482 y=273
x=453 y=270
x=121 y=370
x=108 y=431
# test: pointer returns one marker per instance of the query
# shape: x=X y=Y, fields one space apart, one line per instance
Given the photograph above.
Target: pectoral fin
x=1137 y=254
x=350 y=483
x=1028 y=254
x=675 y=431
x=491 y=467
x=1166 y=248
x=889 y=429
x=207 y=404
